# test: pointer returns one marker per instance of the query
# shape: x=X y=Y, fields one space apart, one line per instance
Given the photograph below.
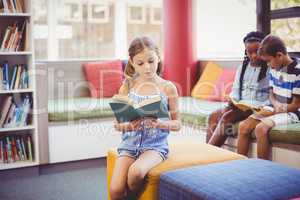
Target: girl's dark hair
x=136 y=46
x=254 y=36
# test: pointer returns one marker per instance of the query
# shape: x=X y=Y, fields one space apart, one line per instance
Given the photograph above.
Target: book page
x=123 y=99
x=147 y=101
x=245 y=105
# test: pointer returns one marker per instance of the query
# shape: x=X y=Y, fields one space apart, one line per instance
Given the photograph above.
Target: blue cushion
x=248 y=179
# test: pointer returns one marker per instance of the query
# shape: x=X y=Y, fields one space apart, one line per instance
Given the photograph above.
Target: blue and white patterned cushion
x=249 y=179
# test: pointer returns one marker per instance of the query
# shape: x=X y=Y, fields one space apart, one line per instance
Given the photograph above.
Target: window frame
x=70 y=19
x=136 y=21
x=106 y=10
x=265 y=15
x=152 y=15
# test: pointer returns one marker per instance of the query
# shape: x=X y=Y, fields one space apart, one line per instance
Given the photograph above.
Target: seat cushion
x=215 y=83
x=184 y=153
x=240 y=179
x=78 y=108
x=195 y=111
x=286 y=134
x=289 y=134
x=104 y=77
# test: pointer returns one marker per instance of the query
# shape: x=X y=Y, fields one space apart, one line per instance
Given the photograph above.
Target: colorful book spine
x=6 y=75
x=20 y=149
x=1 y=152
x=13 y=79
x=29 y=145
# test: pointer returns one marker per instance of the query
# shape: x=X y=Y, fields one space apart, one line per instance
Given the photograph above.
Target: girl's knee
x=117 y=191
x=135 y=174
x=213 y=118
x=261 y=130
x=244 y=128
x=227 y=118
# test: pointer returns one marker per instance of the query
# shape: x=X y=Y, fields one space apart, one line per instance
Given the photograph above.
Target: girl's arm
x=123 y=89
x=174 y=124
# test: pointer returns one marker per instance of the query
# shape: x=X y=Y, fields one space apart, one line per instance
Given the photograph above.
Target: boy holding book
x=284 y=81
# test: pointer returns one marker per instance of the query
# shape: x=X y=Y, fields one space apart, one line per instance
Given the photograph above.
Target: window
x=289 y=31
x=155 y=15
x=98 y=13
x=285 y=22
x=71 y=11
x=144 y=18
x=93 y=29
x=40 y=29
x=280 y=4
x=220 y=31
x=83 y=37
x=136 y=14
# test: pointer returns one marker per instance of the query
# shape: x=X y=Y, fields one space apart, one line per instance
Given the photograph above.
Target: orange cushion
x=184 y=152
x=214 y=84
x=104 y=77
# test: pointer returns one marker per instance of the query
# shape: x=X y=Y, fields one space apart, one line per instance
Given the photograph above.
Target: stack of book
x=14 y=112
x=13 y=77
x=13 y=36
x=16 y=148
x=11 y=6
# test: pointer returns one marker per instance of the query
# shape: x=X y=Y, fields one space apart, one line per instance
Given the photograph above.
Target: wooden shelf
x=15 y=15
x=16 y=91
x=14 y=53
x=17 y=164
x=30 y=127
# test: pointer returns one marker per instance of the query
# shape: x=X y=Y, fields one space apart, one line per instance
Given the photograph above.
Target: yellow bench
x=183 y=153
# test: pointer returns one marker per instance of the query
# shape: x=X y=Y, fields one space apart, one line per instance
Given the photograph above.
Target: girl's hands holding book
x=128 y=126
x=147 y=123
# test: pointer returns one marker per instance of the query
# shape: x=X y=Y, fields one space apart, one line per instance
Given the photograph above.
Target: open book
x=126 y=110
x=244 y=106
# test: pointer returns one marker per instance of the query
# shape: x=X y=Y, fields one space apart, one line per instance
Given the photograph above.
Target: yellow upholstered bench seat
x=183 y=153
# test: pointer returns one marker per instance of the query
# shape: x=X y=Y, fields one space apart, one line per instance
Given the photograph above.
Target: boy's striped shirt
x=285 y=82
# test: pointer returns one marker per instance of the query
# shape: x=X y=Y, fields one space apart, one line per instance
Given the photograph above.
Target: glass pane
x=289 y=31
x=85 y=29
x=279 y=4
x=40 y=28
x=144 y=18
x=220 y=31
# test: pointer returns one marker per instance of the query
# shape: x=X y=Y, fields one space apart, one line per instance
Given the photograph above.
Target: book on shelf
x=15 y=148
x=13 y=77
x=13 y=36
x=14 y=112
x=245 y=106
x=125 y=110
x=11 y=6
x=5 y=103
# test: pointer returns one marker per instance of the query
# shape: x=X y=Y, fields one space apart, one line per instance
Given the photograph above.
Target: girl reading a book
x=250 y=86
x=144 y=141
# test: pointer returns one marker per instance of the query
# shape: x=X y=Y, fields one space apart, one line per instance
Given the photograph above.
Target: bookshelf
x=18 y=132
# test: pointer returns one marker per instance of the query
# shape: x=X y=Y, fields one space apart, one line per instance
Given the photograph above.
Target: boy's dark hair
x=254 y=36
x=271 y=45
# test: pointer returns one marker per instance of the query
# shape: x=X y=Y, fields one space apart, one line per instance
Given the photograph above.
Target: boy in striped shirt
x=284 y=81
